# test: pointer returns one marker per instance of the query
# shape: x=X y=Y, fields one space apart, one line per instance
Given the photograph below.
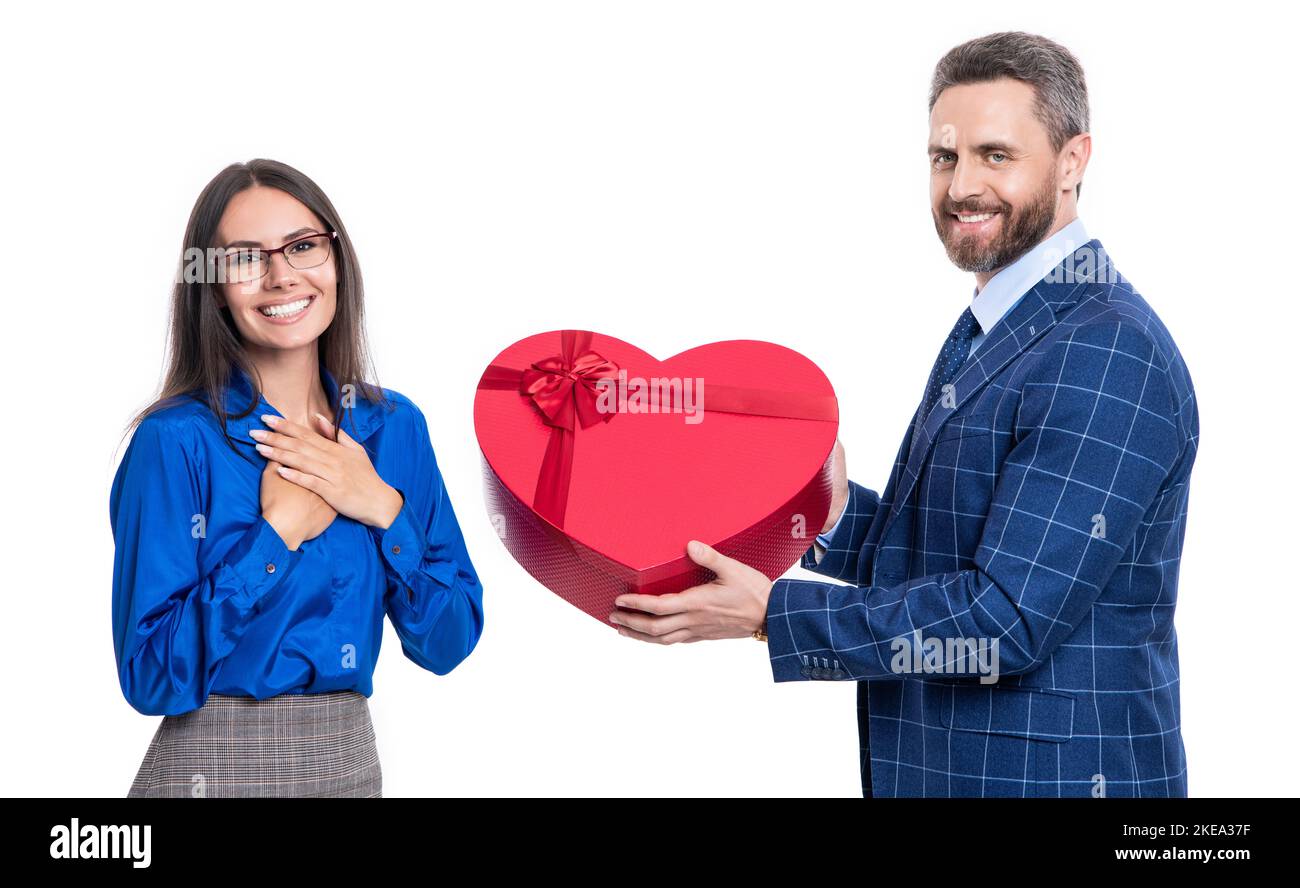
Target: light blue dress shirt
x=207 y=598
x=1004 y=291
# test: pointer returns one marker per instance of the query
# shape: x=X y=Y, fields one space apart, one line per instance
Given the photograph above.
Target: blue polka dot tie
x=954 y=354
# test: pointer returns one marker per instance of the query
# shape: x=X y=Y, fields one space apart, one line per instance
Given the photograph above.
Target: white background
x=672 y=174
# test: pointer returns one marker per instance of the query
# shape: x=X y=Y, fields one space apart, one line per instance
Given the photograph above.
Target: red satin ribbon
x=563 y=389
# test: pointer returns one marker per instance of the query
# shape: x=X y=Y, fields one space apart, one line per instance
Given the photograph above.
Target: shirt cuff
x=260 y=559
x=825 y=538
x=402 y=543
x=818 y=550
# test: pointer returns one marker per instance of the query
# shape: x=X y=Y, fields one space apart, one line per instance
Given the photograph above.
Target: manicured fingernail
x=259 y=434
x=263 y=449
x=269 y=419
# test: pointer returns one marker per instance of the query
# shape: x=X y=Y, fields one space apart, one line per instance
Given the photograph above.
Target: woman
x=272 y=506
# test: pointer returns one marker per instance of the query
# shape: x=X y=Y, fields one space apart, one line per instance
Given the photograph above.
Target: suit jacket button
x=270 y=567
x=397 y=550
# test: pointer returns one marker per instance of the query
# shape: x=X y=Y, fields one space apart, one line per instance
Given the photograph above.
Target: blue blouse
x=208 y=599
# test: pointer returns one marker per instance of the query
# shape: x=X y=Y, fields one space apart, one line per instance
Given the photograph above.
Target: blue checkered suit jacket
x=1040 y=507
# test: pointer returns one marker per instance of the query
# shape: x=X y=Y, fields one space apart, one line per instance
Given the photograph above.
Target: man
x=1010 y=615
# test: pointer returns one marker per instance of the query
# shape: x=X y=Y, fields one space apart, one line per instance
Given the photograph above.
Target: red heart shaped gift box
x=600 y=461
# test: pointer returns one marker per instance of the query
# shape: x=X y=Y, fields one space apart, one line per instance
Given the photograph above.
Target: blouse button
x=270 y=567
x=397 y=550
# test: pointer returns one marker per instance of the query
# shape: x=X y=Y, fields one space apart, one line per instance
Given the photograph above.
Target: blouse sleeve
x=434 y=597
x=173 y=626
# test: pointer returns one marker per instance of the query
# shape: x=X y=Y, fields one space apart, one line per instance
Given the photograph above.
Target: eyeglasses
x=244 y=264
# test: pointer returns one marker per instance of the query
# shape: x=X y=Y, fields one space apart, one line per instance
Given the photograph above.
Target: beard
x=1018 y=233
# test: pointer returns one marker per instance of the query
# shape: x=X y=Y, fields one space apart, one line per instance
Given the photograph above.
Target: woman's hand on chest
x=340 y=473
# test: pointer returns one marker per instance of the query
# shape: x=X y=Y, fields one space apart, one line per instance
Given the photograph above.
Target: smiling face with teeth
x=997 y=188
x=288 y=307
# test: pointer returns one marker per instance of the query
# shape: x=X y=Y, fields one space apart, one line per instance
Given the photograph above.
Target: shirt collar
x=1005 y=288
x=365 y=416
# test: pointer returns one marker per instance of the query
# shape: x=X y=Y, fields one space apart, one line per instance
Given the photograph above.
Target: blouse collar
x=360 y=421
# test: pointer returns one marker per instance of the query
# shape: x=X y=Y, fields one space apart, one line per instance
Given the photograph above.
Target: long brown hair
x=204 y=343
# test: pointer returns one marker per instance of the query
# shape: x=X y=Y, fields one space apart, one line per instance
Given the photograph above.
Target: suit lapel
x=1024 y=325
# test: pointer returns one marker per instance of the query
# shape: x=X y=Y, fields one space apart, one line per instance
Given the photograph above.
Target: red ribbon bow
x=564 y=388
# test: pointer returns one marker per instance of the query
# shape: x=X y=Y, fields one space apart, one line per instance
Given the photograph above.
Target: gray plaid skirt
x=299 y=745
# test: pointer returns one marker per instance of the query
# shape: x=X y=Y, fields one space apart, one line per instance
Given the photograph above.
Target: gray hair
x=1055 y=74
